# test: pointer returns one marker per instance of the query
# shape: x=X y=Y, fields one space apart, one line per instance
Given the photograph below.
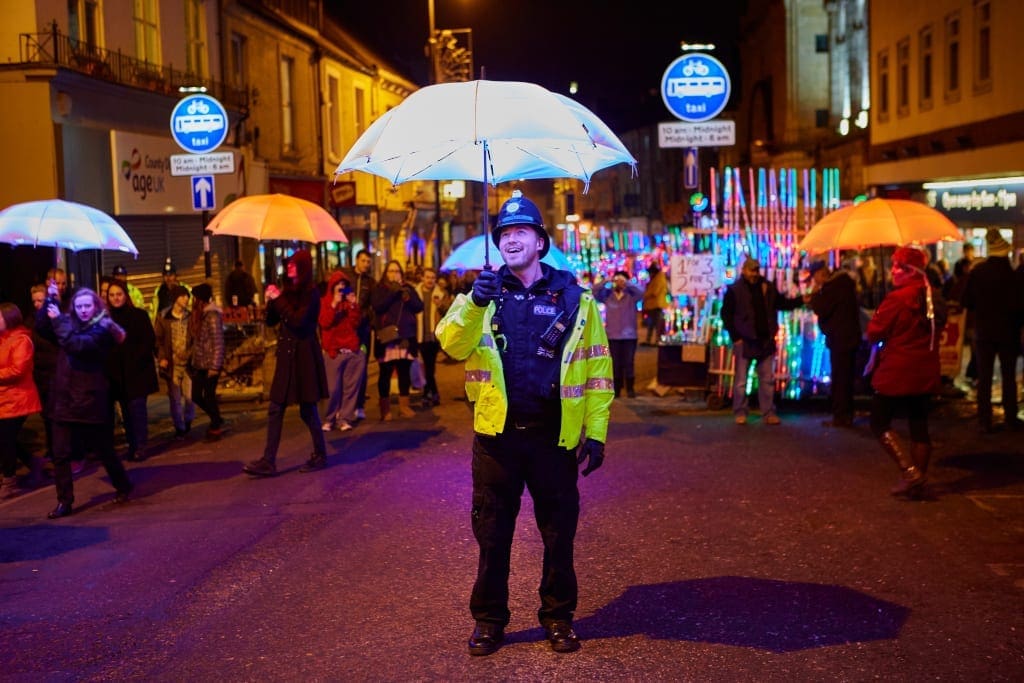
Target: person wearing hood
x=539 y=375
x=992 y=295
x=833 y=298
x=343 y=363
x=299 y=375
x=18 y=395
x=79 y=401
x=905 y=369
x=132 y=368
x=206 y=329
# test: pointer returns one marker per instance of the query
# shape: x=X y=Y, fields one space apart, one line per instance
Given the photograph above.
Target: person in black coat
x=833 y=299
x=395 y=302
x=299 y=375
x=993 y=294
x=132 y=368
x=80 y=405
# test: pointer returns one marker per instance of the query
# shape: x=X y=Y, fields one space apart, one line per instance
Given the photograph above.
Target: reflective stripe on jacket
x=585 y=374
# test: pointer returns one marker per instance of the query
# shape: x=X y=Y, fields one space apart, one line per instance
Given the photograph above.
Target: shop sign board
x=696 y=274
x=143 y=183
x=990 y=201
x=695 y=87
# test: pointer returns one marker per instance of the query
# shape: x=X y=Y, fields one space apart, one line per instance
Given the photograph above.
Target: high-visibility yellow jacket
x=585 y=372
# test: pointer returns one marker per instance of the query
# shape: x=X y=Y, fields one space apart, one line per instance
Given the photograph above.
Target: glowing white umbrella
x=59 y=223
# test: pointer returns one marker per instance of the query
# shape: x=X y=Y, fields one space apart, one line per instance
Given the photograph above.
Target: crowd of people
x=90 y=360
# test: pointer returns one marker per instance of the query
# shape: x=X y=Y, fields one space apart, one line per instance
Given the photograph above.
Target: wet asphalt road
x=706 y=551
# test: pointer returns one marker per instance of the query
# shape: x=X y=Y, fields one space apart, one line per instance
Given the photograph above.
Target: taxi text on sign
x=199 y=124
x=695 y=87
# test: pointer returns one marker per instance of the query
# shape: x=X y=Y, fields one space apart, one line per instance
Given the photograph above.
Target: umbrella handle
x=486 y=217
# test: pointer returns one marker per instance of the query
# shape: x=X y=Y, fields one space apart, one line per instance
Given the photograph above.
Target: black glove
x=593 y=451
x=486 y=287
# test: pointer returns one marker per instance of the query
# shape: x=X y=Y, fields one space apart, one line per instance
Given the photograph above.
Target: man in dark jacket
x=992 y=292
x=750 y=314
x=362 y=283
x=833 y=299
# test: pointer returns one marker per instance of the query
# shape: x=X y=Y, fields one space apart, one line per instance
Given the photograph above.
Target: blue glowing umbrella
x=470 y=256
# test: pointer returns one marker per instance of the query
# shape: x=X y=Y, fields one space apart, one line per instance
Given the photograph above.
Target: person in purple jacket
x=620 y=298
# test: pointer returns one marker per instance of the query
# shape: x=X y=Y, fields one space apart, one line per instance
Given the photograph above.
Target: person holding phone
x=80 y=405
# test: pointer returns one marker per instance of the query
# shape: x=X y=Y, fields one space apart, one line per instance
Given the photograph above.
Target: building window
x=983 y=51
x=360 y=111
x=333 y=115
x=952 y=79
x=287 y=71
x=821 y=118
x=903 y=77
x=925 y=68
x=85 y=24
x=883 y=85
x=237 y=60
x=821 y=42
x=146 y=19
x=195 y=38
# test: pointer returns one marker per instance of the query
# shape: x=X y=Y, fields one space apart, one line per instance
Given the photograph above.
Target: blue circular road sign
x=199 y=124
x=695 y=87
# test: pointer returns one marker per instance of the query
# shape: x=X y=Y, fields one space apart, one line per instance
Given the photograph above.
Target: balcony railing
x=56 y=49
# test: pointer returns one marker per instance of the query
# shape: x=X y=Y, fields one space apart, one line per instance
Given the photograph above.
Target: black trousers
x=502 y=466
x=914 y=407
x=985 y=354
x=623 y=355
x=204 y=395
x=844 y=363
x=428 y=352
x=74 y=440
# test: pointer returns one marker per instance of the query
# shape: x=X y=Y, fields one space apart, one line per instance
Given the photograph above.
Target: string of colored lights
x=783 y=204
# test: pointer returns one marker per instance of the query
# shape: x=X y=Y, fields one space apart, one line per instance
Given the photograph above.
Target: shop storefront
x=977 y=205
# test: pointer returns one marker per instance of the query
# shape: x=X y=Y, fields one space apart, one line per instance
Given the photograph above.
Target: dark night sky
x=616 y=51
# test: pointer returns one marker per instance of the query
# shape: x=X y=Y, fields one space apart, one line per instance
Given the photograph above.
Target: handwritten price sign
x=696 y=274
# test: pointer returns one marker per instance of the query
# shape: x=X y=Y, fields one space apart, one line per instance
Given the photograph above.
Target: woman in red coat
x=18 y=395
x=906 y=327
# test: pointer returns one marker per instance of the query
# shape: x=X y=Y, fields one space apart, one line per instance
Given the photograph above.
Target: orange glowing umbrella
x=879 y=222
x=276 y=217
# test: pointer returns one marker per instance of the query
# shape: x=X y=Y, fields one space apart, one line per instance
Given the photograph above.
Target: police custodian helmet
x=519 y=210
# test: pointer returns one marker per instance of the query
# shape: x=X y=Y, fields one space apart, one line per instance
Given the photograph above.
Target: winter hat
x=203 y=292
x=995 y=245
x=909 y=256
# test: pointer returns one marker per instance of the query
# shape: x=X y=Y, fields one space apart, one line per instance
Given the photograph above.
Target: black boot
x=261 y=468
x=317 y=461
x=617 y=383
x=630 y=391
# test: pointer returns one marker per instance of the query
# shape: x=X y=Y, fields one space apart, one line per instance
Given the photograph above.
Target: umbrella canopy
x=59 y=223
x=879 y=222
x=488 y=131
x=470 y=256
x=276 y=217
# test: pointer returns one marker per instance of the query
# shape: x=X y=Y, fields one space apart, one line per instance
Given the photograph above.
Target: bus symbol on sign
x=695 y=87
x=199 y=124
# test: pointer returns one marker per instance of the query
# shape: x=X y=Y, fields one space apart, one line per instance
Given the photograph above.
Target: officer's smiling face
x=520 y=246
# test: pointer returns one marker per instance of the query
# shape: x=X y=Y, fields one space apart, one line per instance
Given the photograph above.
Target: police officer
x=539 y=373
